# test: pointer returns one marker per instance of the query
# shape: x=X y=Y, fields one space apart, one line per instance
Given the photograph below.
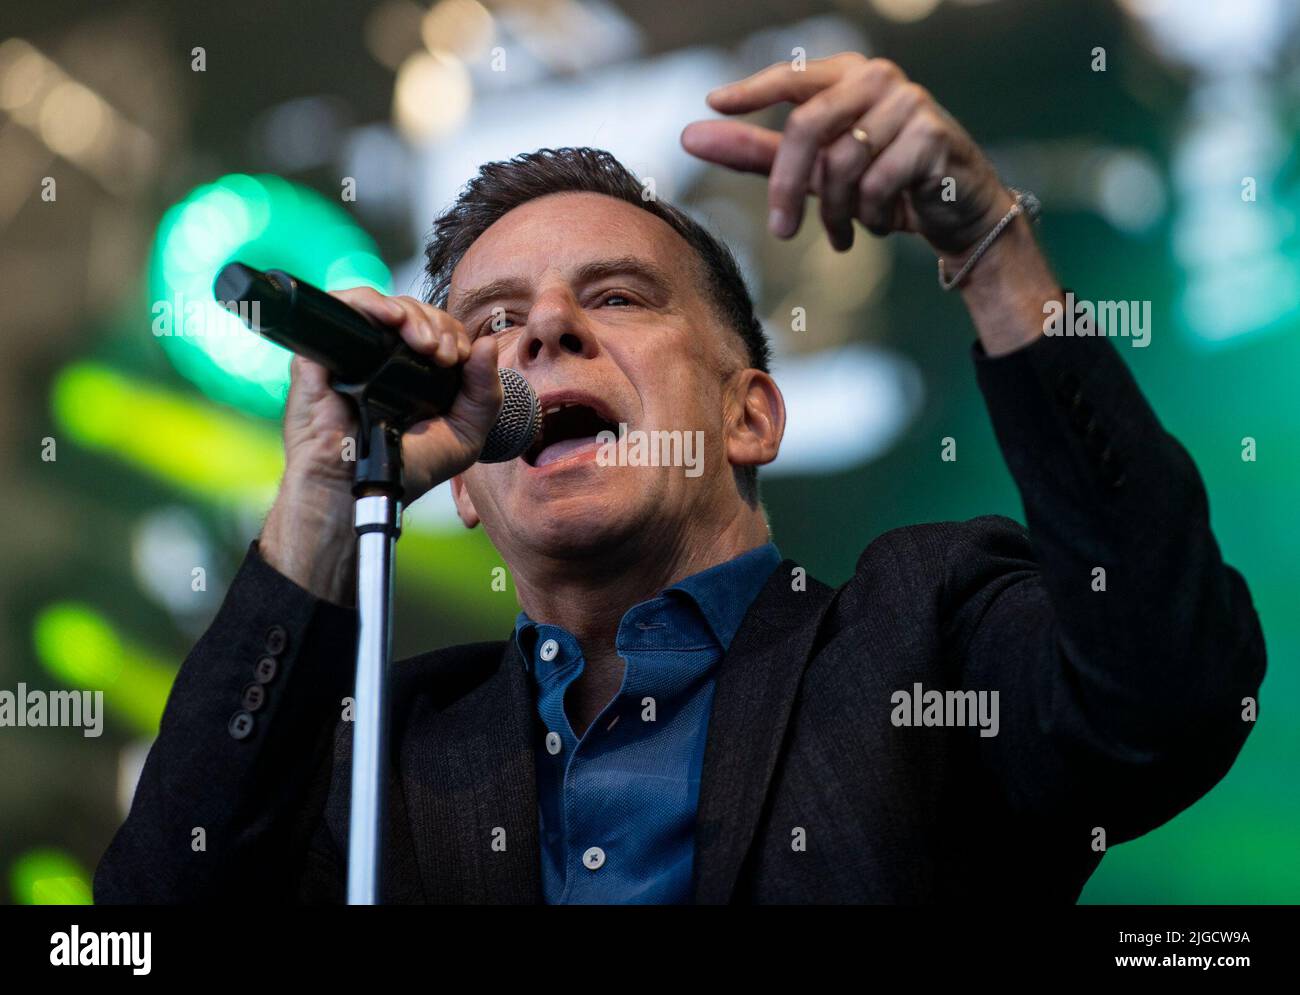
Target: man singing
x=680 y=715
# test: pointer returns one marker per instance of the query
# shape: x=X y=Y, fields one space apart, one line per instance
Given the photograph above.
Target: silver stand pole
x=378 y=524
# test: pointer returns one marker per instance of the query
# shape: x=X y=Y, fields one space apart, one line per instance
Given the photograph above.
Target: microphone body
x=400 y=386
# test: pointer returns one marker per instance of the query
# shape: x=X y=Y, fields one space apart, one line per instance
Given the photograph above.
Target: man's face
x=600 y=305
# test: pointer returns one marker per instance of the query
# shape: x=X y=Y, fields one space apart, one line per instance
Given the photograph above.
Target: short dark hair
x=502 y=186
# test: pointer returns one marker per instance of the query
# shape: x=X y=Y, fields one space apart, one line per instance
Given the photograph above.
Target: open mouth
x=567 y=428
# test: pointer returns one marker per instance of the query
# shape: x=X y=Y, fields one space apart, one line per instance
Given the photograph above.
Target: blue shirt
x=617 y=807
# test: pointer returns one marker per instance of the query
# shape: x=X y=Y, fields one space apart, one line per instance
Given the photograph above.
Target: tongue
x=563 y=449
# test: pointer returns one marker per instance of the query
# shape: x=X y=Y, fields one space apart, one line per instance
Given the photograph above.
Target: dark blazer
x=1118 y=708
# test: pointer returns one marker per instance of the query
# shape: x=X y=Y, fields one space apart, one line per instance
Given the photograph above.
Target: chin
x=584 y=521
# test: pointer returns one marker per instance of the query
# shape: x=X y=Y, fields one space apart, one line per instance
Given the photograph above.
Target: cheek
x=671 y=373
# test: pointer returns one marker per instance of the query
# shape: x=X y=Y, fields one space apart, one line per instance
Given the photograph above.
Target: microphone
x=400 y=385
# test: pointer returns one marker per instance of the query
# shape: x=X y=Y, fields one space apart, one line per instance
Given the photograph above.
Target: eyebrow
x=599 y=269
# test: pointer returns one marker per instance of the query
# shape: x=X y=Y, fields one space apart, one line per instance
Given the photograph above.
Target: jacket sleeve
x=244 y=755
x=1121 y=693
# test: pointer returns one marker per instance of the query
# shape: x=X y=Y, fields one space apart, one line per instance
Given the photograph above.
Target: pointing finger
x=777 y=83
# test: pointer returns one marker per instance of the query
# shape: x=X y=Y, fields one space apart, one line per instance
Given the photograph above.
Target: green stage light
x=226 y=460
x=79 y=647
x=266 y=222
x=48 y=877
x=184 y=441
x=230 y=461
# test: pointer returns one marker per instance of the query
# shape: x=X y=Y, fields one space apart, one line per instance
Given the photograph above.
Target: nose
x=556 y=327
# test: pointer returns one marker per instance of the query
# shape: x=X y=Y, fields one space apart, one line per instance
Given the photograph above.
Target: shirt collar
x=722 y=594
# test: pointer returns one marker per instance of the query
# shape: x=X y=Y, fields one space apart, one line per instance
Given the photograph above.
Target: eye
x=496 y=323
x=615 y=298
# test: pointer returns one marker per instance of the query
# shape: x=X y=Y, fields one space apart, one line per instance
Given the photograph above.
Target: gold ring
x=860 y=135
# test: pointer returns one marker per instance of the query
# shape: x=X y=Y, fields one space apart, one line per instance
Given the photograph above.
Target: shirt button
x=594 y=858
x=550 y=650
x=553 y=743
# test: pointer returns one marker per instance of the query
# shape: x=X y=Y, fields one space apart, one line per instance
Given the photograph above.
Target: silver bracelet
x=1026 y=204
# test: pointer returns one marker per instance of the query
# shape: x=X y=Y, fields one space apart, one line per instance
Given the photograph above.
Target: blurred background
x=143 y=144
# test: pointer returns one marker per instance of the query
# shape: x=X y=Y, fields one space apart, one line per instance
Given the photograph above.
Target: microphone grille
x=519 y=423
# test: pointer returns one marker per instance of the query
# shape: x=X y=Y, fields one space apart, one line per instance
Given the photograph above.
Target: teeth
x=560 y=407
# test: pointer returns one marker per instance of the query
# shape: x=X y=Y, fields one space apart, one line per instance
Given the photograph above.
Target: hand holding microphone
x=433 y=449
x=308 y=534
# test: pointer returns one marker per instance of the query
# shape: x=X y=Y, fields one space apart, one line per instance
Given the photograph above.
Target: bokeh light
x=264 y=221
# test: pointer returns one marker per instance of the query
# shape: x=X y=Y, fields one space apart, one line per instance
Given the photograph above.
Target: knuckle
x=874 y=185
x=862 y=77
x=352 y=295
x=803 y=122
x=446 y=325
x=418 y=337
x=885 y=69
x=841 y=158
x=917 y=95
x=782 y=189
x=929 y=125
x=432 y=320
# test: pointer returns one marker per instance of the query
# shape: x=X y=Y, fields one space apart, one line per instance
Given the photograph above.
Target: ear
x=754 y=436
x=464 y=504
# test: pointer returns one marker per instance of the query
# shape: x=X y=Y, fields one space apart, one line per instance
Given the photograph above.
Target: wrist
x=1012 y=259
x=1007 y=288
x=1002 y=202
x=308 y=537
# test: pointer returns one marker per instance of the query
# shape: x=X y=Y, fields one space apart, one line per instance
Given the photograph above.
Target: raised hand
x=868 y=142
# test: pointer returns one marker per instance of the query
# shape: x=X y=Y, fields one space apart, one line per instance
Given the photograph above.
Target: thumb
x=735 y=144
x=478 y=403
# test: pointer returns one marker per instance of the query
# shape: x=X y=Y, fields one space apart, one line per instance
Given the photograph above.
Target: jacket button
x=594 y=858
x=254 y=697
x=265 y=670
x=241 y=725
x=276 y=640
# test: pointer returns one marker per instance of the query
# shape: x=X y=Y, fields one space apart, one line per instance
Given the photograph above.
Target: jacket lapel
x=756 y=685
x=469 y=788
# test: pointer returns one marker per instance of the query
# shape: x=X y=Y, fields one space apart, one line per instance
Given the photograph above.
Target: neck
x=588 y=596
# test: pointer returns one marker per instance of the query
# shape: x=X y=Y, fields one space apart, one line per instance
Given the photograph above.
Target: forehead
x=561 y=232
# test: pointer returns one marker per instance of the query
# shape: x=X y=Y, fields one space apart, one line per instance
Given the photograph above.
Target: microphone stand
x=378 y=492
